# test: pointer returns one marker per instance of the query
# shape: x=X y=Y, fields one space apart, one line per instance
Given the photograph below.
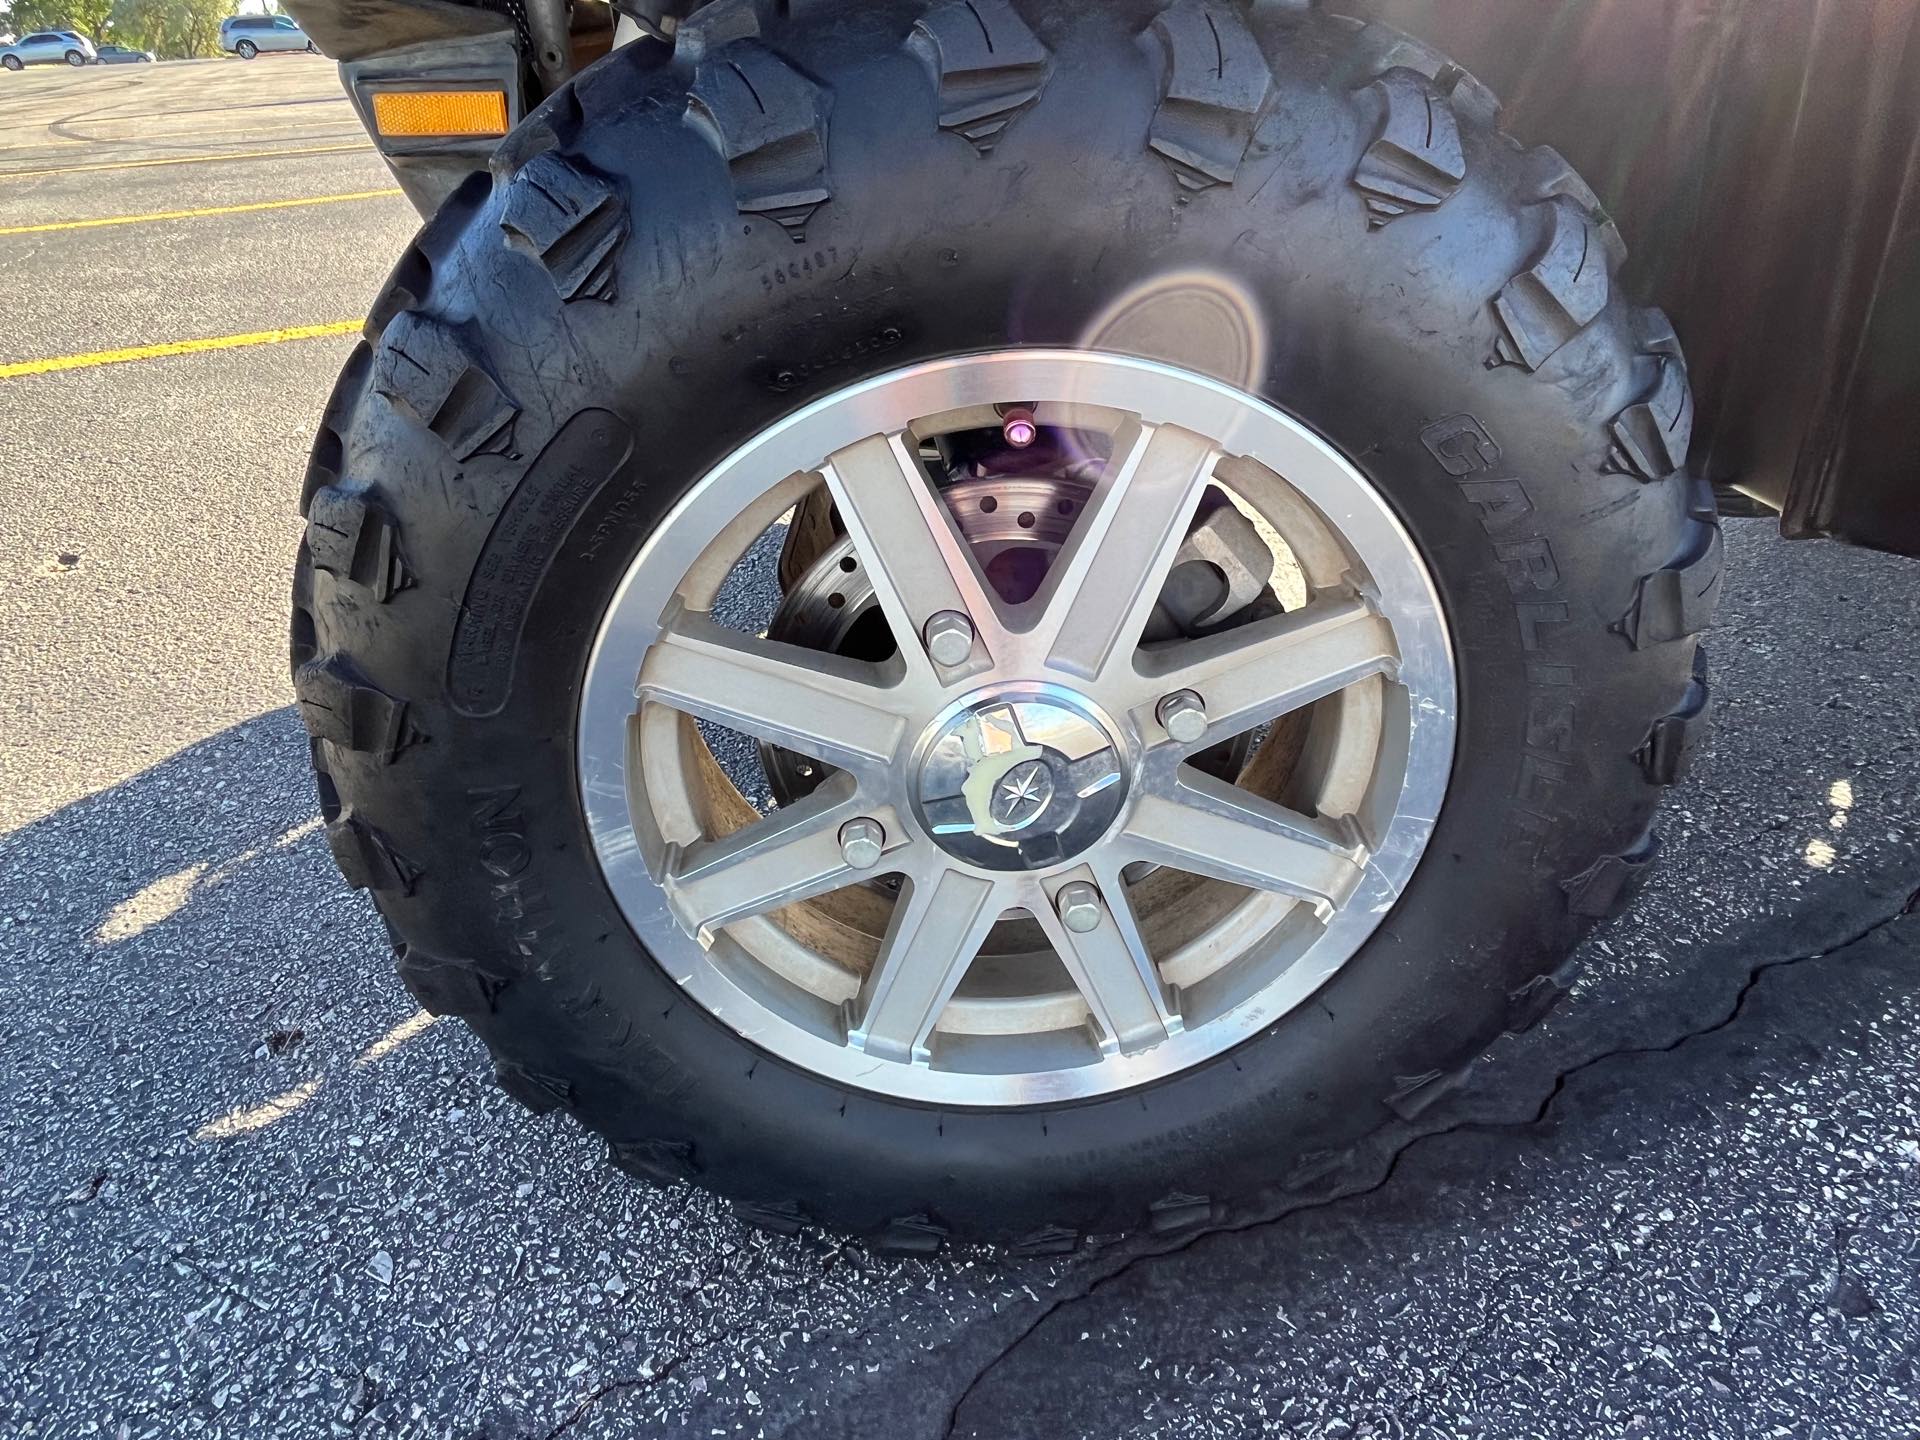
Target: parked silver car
x=124 y=55
x=250 y=35
x=48 y=47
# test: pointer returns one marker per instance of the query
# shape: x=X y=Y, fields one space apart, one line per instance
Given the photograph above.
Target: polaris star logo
x=1022 y=794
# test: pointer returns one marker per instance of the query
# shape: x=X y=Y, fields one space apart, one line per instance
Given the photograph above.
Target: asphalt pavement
x=247 y=1189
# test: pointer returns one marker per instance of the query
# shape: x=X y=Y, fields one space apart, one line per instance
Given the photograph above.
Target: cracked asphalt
x=247 y=1189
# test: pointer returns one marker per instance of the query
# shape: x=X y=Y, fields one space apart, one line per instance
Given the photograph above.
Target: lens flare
x=1197 y=319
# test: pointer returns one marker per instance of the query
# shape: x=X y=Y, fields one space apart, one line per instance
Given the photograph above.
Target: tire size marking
x=522 y=913
x=1466 y=450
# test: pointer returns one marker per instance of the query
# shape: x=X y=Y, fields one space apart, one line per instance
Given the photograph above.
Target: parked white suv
x=249 y=35
x=48 y=47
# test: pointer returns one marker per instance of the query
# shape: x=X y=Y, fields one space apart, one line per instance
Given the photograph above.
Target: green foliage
x=172 y=29
x=89 y=17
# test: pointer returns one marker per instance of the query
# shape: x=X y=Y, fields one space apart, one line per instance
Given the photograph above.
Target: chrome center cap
x=1019 y=780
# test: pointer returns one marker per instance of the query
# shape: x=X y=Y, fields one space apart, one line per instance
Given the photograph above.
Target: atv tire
x=1441 y=305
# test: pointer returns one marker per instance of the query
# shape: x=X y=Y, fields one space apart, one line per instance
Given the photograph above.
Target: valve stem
x=1018 y=427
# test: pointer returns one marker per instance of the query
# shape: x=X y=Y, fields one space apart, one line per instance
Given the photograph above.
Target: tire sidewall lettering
x=522 y=916
x=815 y=264
x=1469 y=455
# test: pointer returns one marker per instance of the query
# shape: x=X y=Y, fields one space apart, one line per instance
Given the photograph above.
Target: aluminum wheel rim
x=1371 y=638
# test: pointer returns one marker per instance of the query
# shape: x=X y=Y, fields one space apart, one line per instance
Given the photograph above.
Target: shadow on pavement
x=248 y=1189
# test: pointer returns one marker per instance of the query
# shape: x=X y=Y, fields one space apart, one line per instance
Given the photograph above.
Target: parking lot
x=246 y=1188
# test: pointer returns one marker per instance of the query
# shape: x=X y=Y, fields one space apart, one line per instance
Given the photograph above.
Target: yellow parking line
x=194 y=214
x=176 y=347
x=179 y=160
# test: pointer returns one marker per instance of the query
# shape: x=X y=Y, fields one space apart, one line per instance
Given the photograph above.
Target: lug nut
x=861 y=842
x=1078 y=904
x=1183 y=715
x=949 y=637
x=1019 y=428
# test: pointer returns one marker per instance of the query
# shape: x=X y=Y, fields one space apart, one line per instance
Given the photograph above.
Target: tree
x=89 y=17
x=170 y=28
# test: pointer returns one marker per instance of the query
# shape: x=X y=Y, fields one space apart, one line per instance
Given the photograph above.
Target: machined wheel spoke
x=1256 y=673
x=822 y=705
x=1112 y=969
x=1104 y=585
x=938 y=926
x=793 y=854
x=1207 y=827
x=918 y=564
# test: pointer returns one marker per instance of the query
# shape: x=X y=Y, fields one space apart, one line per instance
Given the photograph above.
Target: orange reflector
x=440 y=112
